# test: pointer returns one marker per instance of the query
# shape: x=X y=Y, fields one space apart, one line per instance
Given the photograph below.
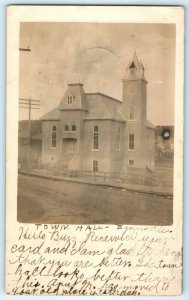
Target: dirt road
x=47 y=201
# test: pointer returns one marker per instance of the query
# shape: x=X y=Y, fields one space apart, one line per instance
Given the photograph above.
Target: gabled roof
x=106 y=96
x=101 y=106
x=53 y=115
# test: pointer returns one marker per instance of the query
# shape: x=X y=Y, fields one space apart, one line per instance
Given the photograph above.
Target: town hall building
x=95 y=132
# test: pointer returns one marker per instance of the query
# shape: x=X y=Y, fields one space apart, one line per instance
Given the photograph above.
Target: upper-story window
x=73 y=128
x=131 y=142
x=70 y=99
x=119 y=139
x=53 y=137
x=66 y=128
x=131 y=113
x=95 y=137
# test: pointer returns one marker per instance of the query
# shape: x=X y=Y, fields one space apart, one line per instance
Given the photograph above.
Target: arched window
x=53 y=137
x=70 y=99
x=73 y=128
x=132 y=69
x=119 y=139
x=95 y=137
x=66 y=128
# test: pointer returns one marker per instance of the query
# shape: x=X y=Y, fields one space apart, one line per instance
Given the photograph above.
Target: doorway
x=69 y=149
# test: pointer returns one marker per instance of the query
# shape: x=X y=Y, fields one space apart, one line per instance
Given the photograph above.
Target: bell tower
x=134 y=91
x=134 y=111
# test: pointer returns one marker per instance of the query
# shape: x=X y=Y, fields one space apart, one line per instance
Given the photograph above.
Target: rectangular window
x=119 y=139
x=95 y=138
x=131 y=113
x=95 y=165
x=131 y=162
x=53 y=141
x=131 y=142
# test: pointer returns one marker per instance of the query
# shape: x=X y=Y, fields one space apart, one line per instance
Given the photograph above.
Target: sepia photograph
x=96 y=123
x=94 y=150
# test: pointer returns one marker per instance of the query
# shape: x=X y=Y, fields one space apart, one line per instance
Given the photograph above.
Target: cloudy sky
x=97 y=55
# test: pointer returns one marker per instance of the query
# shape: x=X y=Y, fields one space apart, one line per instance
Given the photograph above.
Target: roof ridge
x=51 y=115
x=102 y=94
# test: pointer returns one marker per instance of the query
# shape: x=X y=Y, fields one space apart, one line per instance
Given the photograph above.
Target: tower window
x=95 y=165
x=53 y=137
x=132 y=68
x=131 y=142
x=73 y=128
x=132 y=90
x=132 y=71
x=131 y=113
x=95 y=137
x=119 y=139
x=66 y=128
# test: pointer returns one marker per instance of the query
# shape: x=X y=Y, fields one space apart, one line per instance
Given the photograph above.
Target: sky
x=97 y=55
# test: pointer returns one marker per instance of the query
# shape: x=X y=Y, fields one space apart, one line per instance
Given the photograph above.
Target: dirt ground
x=48 y=201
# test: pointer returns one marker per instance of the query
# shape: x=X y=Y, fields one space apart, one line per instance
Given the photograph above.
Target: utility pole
x=29 y=104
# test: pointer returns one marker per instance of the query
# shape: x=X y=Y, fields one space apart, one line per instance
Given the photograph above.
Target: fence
x=154 y=179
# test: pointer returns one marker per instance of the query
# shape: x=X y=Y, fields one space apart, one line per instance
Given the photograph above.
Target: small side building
x=35 y=142
x=164 y=142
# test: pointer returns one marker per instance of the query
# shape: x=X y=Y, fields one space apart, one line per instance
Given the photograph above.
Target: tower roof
x=132 y=66
x=135 y=69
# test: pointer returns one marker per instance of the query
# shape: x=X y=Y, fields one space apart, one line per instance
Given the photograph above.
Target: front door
x=69 y=148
